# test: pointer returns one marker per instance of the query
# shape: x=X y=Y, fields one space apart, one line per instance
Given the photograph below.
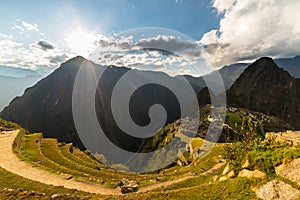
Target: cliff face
x=47 y=106
x=266 y=88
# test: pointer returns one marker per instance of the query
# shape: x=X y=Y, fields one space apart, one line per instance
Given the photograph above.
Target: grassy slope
x=200 y=187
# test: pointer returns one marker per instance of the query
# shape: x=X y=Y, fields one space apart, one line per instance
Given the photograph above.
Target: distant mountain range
x=14 y=81
x=9 y=71
x=47 y=106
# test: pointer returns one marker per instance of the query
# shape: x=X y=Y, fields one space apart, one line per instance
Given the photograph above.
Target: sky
x=40 y=35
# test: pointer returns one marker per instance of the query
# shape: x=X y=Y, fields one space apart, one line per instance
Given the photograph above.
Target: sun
x=81 y=42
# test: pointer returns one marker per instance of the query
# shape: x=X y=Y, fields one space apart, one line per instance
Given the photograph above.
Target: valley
x=257 y=150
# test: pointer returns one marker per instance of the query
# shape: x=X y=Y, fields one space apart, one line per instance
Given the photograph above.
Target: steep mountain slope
x=266 y=88
x=231 y=73
x=47 y=106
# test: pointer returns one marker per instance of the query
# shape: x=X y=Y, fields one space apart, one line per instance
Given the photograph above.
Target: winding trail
x=10 y=162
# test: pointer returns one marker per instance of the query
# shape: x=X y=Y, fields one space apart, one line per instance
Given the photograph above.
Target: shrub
x=101 y=158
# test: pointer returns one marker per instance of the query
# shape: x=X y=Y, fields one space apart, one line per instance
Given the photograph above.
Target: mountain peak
x=265 y=87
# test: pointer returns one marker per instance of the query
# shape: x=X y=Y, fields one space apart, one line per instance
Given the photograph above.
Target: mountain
x=14 y=81
x=16 y=72
x=231 y=73
x=292 y=65
x=47 y=106
x=266 y=88
x=11 y=87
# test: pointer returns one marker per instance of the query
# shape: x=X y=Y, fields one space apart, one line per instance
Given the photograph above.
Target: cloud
x=223 y=5
x=18 y=55
x=251 y=29
x=4 y=36
x=59 y=58
x=164 y=42
x=166 y=53
x=43 y=45
x=169 y=43
x=24 y=26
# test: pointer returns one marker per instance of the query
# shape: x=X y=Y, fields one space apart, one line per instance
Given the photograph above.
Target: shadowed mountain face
x=47 y=107
x=266 y=88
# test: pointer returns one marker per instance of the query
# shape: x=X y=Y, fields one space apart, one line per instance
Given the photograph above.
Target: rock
x=246 y=164
x=54 y=196
x=215 y=178
x=231 y=174
x=277 y=190
x=193 y=174
x=251 y=174
x=226 y=169
x=290 y=171
x=223 y=178
x=67 y=176
x=128 y=186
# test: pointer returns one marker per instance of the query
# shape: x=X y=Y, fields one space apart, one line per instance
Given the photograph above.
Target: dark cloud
x=167 y=43
x=44 y=45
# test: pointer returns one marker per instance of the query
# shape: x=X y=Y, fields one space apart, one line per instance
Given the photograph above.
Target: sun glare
x=81 y=42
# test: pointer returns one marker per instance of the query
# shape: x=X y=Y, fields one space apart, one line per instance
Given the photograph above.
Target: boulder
x=229 y=175
x=226 y=170
x=251 y=174
x=246 y=164
x=128 y=186
x=277 y=190
x=290 y=171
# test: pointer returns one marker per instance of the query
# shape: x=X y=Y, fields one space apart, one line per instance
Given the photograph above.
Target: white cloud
x=251 y=29
x=16 y=54
x=24 y=26
x=4 y=36
x=166 y=53
x=223 y=5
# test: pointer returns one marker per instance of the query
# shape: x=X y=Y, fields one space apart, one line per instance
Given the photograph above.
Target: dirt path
x=214 y=168
x=10 y=162
x=162 y=184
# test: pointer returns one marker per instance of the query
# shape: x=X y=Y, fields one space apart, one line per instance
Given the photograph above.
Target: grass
x=35 y=150
x=65 y=150
x=30 y=150
x=13 y=181
x=59 y=159
x=239 y=188
x=267 y=158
